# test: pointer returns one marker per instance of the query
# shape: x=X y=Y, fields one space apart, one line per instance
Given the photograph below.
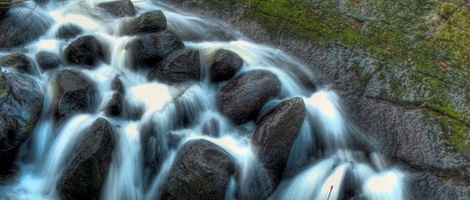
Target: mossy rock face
x=401 y=67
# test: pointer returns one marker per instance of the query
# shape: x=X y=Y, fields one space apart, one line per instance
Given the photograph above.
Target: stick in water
x=329 y=193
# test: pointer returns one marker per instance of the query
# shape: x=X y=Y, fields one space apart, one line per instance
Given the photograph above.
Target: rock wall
x=399 y=68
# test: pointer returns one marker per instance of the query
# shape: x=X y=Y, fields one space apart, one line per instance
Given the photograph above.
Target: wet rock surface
x=85 y=52
x=76 y=93
x=149 y=22
x=121 y=8
x=48 y=60
x=275 y=134
x=224 y=65
x=21 y=104
x=202 y=170
x=148 y=50
x=69 y=31
x=18 y=62
x=89 y=165
x=18 y=27
x=179 y=67
x=244 y=96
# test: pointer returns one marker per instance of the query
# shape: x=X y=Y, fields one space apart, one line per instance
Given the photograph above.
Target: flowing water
x=329 y=158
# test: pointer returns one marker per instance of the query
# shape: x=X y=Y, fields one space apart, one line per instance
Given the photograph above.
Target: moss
x=447 y=9
x=455 y=132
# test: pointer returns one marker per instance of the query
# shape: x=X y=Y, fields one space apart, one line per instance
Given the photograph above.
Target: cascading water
x=329 y=159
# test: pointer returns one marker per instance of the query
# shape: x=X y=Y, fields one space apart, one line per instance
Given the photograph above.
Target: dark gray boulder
x=149 y=22
x=21 y=103
x=114 y=106
x=76 y=93
x=116 y=85
x=224 y=65
x=47 y=60
x=85 y=52
x=18 y=62
x=68 y=31
x=202 y=170
x=121 y=8
x=148 y=50
x=275 y=134
x=243 y=97
x=179 y=67
x=89 y=165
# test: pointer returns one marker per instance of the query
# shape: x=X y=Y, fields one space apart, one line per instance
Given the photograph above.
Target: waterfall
x=329 y=159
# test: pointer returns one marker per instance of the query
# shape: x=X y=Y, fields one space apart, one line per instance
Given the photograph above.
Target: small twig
x=329 y=193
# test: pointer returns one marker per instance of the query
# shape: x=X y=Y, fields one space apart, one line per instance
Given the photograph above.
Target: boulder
x=148 y=50
x=89 y=164
x=121 y=8
x=149 y=22
x=179 y=67
x=69 y=31
x=116 y=85
x=18 y=62
x=48 y=60
x=86 y=52
x=76 y=93
x=243 y=97
x=224 y=65
x=114 y=106
x=275 y=134
x=21 y=103
x=21 y=26
x=201 y=170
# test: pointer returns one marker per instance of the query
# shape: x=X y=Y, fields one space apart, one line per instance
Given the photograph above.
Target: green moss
x=447 y=9
x=455 y=132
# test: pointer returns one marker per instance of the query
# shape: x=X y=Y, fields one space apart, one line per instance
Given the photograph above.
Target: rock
x=149 y=22
x=114 y=106
x=76 y=93
x=179 y=67
x=116 y=85
x=275 y=134
x=148 y=50
x=243 y=97
x=18 y=62
x=19 y=27
x=89 y=165
x=86 y=52
x=202 y=170
x=69 y=31
x=224 y=65
x=121 y=8
x=48 y=60
x=21 y=103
